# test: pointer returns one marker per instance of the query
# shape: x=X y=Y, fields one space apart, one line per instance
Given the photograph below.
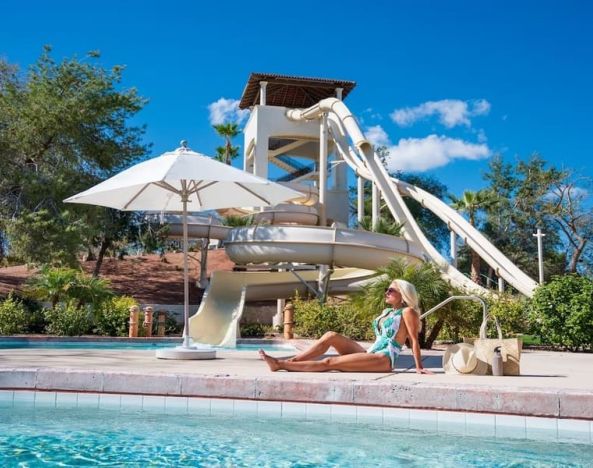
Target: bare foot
x=270 y=361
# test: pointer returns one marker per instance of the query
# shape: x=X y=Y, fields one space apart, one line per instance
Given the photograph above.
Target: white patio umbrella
x=176 y=180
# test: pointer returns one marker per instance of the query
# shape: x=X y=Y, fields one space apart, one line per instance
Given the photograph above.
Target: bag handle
x=485 y=324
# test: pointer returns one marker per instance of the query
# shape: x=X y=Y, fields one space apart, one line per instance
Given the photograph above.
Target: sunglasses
x=391 y=291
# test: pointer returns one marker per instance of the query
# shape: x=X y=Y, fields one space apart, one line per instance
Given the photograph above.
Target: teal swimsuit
x=385 y=343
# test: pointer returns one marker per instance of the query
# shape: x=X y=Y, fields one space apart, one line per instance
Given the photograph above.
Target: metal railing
x=453 y=298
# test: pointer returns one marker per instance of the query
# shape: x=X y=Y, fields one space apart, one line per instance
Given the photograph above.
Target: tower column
x=263 y=85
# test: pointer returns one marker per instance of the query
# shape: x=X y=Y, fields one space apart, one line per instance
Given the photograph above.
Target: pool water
x=57 y=344
x=67 y=437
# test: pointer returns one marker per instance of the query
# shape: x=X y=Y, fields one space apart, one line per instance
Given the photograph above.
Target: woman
x=393 y=327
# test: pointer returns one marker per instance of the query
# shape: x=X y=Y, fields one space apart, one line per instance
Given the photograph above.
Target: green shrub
x=36 y=321
x=112 y=317
x=254 y=330
x=171 y=325
x=462 y=318
x=561 y=312
x=512 y=313
x=313 y=319
x=13 y=316
x=67 y=319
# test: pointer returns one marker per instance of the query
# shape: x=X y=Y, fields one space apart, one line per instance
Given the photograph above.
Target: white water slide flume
x=361 y=157
x=217 y=318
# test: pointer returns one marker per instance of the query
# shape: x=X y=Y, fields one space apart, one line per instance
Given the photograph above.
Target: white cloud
x=377 y=136
x=451 y=112
x=422 y=154
x=226 y=110
x=481 y=135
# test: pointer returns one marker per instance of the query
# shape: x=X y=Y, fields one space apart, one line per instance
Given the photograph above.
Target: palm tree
x=384 y=226
x=471 y=203
x=51 y=284
x=227 y=152
x=431 y=287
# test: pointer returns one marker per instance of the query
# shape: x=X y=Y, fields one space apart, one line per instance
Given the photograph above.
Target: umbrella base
x=179 y=352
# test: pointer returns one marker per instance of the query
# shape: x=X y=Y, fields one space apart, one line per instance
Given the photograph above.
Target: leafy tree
x=530 y=195
x=433 y=227
x=566 y=206
x=471 y=203
x=228 y=152
x=435 y=230
x=63 y=128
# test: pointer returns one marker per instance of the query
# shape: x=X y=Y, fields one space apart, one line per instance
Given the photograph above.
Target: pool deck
x=552 y=384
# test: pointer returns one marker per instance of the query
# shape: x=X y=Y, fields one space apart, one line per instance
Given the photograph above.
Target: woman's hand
x=424 y=371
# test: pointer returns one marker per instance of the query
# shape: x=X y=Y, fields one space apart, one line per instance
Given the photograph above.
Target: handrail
x=453 y=298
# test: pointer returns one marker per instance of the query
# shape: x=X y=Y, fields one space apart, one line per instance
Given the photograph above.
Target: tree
x=435 y=230
x=433 y=227
x=565 y=205
x=471 y=203
x=63 y=128
x=530 y=195
x=228 y=152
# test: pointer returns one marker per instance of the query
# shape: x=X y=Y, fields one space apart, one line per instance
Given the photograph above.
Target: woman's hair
x=409 y=294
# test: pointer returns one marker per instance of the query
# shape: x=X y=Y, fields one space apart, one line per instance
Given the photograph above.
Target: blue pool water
x=82 y=437
x=56 y=344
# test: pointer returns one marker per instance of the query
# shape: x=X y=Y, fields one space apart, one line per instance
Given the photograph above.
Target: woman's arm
x=413 y=325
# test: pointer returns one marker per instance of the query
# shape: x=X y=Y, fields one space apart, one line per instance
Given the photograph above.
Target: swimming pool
x=42 y=436
x=125 y=344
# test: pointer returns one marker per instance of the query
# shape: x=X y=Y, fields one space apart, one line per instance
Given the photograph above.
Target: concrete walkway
x=552 y=384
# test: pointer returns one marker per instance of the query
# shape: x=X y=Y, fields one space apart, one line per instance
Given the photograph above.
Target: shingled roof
x=292 y=91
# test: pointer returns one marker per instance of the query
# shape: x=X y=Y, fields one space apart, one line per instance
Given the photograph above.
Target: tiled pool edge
x=503 y=401
x=449 y=422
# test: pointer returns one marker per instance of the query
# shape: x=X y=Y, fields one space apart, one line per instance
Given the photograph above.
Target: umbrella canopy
x=180 y=178
x=160 y=183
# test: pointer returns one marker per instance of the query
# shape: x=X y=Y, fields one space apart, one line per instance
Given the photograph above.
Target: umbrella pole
x=185 y=278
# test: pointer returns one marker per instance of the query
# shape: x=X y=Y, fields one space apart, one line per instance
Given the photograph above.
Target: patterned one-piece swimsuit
x=385 y=332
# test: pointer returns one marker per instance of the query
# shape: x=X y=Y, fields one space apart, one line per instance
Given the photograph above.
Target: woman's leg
x=340 y=343
x=356 y=362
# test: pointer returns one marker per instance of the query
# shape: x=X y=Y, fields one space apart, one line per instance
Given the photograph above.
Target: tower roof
x=292 y=91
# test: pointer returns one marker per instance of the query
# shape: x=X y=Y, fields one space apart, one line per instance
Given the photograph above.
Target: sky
x=445 y=85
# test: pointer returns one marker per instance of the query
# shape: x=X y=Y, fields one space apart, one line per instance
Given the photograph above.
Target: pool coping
x=434 y=421
x=125 y=339
x=503 y=400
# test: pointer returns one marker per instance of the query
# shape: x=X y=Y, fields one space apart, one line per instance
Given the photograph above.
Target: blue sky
x=444 y=84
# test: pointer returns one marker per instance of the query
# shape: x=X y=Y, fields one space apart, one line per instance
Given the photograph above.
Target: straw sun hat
x=461 y=359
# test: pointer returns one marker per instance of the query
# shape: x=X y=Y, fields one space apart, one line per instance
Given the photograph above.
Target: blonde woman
x=399 y=322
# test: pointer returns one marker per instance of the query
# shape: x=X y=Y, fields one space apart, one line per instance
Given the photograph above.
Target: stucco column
x=263 y=85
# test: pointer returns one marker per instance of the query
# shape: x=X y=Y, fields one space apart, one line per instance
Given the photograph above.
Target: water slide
x=222 y=305
x=361 y=157
x=221 y=308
